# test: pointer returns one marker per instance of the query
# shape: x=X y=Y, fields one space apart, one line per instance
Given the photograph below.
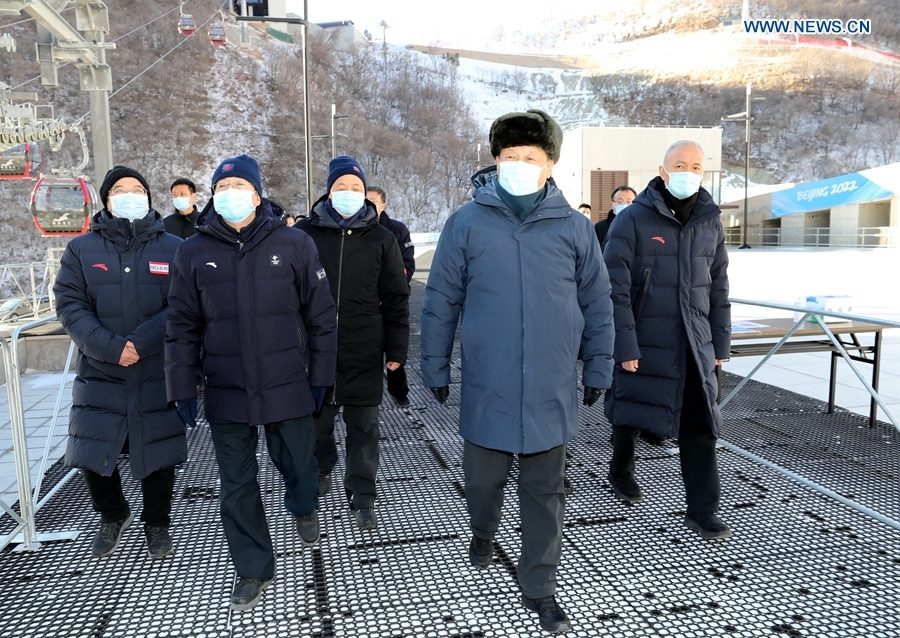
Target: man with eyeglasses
x=250 y=294
x=111 y=299
x=621 y=198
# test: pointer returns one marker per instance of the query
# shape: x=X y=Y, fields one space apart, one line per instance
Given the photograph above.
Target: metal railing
x=30 y=283
x=25 y=532
x=816 y=315
x=863 y=237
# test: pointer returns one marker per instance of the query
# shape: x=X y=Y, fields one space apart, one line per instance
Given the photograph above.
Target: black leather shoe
x=247 y=592
x=551 y=615
x=481 y=552
x=709 y=526
x=625 y=488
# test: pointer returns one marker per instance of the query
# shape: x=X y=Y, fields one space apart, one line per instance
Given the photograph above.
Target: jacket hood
x=211 y=223
x=319 y=215
x=484 y=183
x=651 y=198
x=120 y=230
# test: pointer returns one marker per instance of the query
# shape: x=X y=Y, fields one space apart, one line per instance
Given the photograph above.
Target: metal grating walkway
x=799 y=564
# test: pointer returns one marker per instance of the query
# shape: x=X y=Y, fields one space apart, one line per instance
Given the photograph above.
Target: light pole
x=334 y=116
x=744 y=117
x=384 y=27
x=306 y=109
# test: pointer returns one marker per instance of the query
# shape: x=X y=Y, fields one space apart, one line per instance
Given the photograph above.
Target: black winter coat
x=670 y=294
x=182 y=226
x=112 y=288
x=601 y=229
x=407 y=249
x=257 y=308
x=366 y=273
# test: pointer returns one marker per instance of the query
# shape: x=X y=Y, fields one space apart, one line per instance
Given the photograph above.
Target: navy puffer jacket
x=111 y=288
x=670 y=294
x=257 y=305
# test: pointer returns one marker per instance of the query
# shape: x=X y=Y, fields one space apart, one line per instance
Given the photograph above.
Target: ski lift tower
x=85 y=45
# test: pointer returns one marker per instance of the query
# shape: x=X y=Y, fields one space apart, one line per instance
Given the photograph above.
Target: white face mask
x=618 y=208
x=519 y=178
x=683 y=184
x=130 y=206
x=235 y=204
x=347 y=203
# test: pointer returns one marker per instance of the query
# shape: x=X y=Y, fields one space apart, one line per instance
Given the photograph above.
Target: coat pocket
x=642 y=294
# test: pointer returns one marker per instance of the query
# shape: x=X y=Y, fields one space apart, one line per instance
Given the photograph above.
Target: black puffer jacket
x=111 y=288
x=670 y=295
x=259 y=305
x=366 y=273
x=407 y=249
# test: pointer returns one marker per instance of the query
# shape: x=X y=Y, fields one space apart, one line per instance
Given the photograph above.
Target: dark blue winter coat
x=112 y=288
x=258 y=309
x=670 y=291
x=530 y=293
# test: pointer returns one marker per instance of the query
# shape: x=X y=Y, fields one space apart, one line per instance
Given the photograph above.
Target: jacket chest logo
x=159 y=267
x=275 y=260
x=659 y=238
x=102 y=267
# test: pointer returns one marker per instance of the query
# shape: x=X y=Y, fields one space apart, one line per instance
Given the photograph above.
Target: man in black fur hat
x=527 y=269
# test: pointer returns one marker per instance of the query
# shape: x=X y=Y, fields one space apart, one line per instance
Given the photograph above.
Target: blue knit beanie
x=344 y=165
x=243 y=166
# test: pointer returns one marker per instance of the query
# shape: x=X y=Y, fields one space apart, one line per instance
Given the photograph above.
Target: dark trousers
x=362 y=450
x=109 y=500
x=542 y=502
x=696 y=445
x=290 y=446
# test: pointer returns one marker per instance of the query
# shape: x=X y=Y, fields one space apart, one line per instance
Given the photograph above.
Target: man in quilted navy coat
x=250 y=305
x=111 y=299
x=523 y=270
x=668 y=268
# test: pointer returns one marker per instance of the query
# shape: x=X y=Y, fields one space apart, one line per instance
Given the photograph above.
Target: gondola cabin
x=63 y=206
x=217 y=34
x=20 y=162
x=186 y=24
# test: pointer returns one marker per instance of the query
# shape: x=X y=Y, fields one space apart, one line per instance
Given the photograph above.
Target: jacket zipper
x=337 y=309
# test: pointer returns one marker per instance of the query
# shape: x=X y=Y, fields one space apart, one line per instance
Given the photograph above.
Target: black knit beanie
x=116 y=173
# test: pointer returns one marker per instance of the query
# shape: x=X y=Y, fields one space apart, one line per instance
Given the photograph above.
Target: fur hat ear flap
x=532 y=128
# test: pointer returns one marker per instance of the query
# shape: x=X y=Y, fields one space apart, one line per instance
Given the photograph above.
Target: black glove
x=441 y=393
x=397 y=385
x=187 y=410
x=591 y=395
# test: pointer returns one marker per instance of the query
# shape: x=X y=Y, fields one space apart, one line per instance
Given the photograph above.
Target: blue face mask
x=347 y=203
x=683 y=184
x=618 y=208
x=181 y=203
x=129 y=206
x=519 y=178
x=234 y=205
